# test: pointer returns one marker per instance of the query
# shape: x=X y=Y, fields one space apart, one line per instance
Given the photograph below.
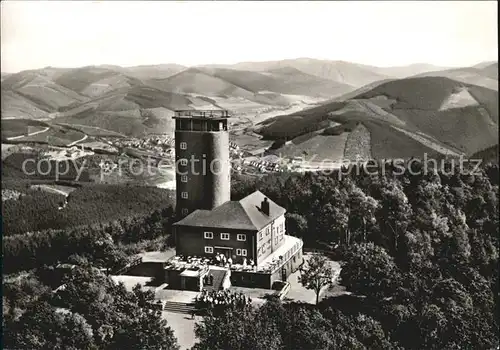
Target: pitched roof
x=244 y=214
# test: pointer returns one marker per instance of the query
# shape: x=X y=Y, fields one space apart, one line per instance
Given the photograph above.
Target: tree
x=317 y=274
x=368 y=270
x=237 y=327
x=296 y=225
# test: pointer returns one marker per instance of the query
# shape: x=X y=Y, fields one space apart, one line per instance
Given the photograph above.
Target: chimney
x=264 y=206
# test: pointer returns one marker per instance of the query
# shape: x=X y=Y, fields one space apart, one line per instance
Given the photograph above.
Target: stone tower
x=202 y=160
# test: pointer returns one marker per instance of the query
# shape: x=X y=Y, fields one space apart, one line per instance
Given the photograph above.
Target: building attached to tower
x=242 y=242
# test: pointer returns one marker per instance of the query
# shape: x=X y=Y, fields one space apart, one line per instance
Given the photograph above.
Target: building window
x=241 y=237
x=184 y=211
x=209 y=250
x=208 y=235
x=241 y=252
x=184 y=161
x=184 y=195
x=224 y=236
x=184 y=145
x=261 y=235
x=184 y=178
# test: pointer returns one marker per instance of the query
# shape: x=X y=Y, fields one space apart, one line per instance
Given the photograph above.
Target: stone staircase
x=218 y=275
x=178 y=307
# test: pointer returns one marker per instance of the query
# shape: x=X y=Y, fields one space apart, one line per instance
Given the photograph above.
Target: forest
x=419 y=256
x=38 y=210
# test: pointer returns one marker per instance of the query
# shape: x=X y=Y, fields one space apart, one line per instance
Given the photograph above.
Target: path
x=81 y=140
x=299 y=293
x=30 y=134
x=51 y=189
x=183 y=327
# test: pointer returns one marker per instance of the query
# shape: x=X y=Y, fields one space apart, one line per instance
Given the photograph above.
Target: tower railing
x=209 y=114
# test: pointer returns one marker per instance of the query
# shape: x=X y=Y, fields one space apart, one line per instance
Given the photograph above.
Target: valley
x=282 y=111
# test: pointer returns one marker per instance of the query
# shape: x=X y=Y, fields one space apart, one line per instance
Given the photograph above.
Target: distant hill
x=285 y=80
x=403 y=117
x=485 y=75
x=407 y=71
x=353 y=74
x=195 y=81
x=159 y=71
x=484 y=64
x=343 y=72
x=491 y=71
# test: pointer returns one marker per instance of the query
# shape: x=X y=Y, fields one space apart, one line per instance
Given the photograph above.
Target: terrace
x=269 y=265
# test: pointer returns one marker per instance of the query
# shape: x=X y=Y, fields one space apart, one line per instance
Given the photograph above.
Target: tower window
x=241 y=237
x=184 y=145
x=224 y=236
x=184 y=161
x=184 y=178
x=208 y=235
x=184 y=195
x=241 y=252
x=184 y=211
x=209 y=250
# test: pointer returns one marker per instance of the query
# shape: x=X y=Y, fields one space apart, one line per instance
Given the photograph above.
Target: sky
x=36 y=34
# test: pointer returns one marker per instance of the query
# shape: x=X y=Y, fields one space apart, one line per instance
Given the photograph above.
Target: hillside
x=14 y=105
x=96 y=81
x=403 y=117
x=36 y=88
x=133 y=111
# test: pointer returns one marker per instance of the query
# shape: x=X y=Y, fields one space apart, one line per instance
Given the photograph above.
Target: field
x=53 y=136
x=92 y=130
x=19 y=127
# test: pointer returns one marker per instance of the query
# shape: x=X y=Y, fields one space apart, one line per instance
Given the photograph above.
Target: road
x=30 y=134
x=75 y=142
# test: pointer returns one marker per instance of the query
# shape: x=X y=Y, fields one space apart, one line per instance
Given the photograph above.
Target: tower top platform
x=202 y=114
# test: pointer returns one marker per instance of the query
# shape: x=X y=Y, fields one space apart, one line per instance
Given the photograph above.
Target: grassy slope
x=390 y=143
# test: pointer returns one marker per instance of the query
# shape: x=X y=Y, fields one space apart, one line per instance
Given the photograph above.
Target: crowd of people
x=210 y=299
